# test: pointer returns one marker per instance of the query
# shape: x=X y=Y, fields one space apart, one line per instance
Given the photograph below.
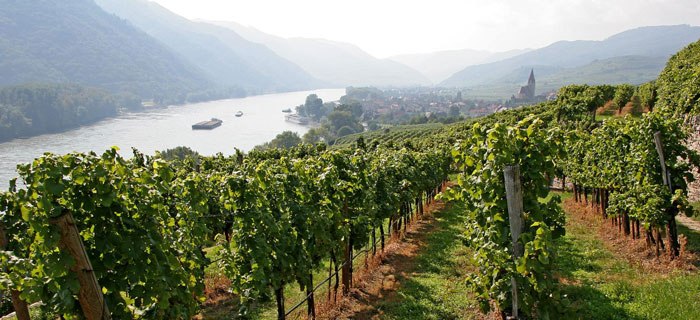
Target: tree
x=40 y=108
x=338 y=119
x=623 y=94
x=344 y=131
x=316 y=135
x=313 y=107
x=373 y=125
x=418 y=119
x=284 y=140
x=179 y=153
x=360 y=94
x=647 y=94
x=355 y=108
x=454 y=111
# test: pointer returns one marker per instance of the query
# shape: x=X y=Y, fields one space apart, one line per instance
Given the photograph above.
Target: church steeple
x=531 y=84
x=527 y=93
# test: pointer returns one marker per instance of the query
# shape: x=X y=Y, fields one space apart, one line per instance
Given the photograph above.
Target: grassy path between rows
x=419 y=276
x=599 y=281
x=603 y=280
x=423 y=278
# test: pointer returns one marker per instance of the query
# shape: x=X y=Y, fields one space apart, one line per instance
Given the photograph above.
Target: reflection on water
x=170 y=127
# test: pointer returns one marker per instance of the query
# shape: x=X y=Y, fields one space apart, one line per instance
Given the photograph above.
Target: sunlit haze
x=390 y=27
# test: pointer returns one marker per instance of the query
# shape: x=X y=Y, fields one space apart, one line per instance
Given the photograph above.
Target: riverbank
x=169 y=127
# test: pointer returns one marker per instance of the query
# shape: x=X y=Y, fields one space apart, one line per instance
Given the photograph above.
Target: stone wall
x=693 y=122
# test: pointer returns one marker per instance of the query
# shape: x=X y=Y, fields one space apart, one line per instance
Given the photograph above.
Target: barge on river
x=295 y=118
x=207 y=125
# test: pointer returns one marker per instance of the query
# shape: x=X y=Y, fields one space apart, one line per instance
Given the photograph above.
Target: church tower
x=527 y=93
x=531 y=84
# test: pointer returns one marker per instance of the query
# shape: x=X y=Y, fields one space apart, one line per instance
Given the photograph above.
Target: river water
x=165 y=128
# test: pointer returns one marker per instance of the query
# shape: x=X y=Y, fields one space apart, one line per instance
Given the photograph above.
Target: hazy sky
x=389 y=27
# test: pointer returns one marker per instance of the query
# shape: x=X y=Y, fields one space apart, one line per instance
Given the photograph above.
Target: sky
x=390 y=27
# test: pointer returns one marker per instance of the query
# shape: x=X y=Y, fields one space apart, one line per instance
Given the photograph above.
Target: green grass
x=601 y=285
x=435 y=288
x=597 y=283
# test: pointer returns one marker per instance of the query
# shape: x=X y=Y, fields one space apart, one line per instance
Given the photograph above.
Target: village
x=439 y=104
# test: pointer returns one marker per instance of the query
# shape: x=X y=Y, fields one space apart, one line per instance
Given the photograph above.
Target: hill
x=28 y=110
x=650 y=42
x=340 y=64
x=617 y=70
x=438 y=66
x=75 y=41
x=222 y=54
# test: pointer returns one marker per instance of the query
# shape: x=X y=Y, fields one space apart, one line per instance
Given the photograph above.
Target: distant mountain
x=338 y=63
x=438 y=66
x=617 y=70
x=33 y=109
x=650 y=42
x=222 y=54
x=74 y=41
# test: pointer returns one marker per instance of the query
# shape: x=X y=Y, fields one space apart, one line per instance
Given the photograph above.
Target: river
x=165 y=128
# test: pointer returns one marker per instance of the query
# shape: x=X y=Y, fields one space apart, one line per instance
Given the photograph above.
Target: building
x=527 y=92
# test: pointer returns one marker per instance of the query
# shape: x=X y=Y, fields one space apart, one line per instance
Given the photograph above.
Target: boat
x=239 y=113
x=288 y=110
x=295 y=118
x=207 y=125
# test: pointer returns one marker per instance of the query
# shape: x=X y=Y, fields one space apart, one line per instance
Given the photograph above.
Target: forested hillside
x=653 y=42
x=35 y=109
x=222 y=54
x=74 y=41
x=613 y=71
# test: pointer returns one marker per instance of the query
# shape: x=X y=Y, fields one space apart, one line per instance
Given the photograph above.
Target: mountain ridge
x=652 y=41
x=75 y=41
x=338 y=63
x=224 y=55
x=439 y=65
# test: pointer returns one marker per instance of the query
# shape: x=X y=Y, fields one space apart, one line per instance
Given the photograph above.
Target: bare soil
x=635 y=251
x=382 y=279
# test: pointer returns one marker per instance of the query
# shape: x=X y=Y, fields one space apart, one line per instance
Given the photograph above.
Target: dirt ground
x=382 y=279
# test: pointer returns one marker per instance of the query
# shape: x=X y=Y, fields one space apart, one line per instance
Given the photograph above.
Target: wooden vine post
x=514 y=197
x=20 y=306
x=347 y=265
x=90 y=296
x=672 y=229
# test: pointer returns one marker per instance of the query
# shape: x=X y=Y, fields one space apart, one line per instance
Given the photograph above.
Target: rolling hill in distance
x=617 y=70
x=223 y=55
x=337 y=63
x=74 y=41
x=140 y=48
x=438 y=66
x=563 y=59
